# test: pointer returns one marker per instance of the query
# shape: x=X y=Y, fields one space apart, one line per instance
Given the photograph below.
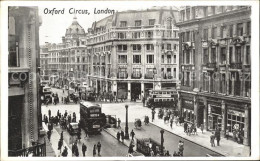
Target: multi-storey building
x=133 y=51
x=215 y=67
x=23 y=70
x=126 y=53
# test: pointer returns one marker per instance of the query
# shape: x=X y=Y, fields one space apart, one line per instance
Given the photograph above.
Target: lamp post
x=162 y=140
x=126 y=123
x=154 y=72
x=71 y=70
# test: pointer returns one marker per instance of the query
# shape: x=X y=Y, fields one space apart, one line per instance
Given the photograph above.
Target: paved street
x=195 y=145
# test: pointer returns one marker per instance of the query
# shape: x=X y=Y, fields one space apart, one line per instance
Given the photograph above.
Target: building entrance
x=135 y=91
x=121 y=90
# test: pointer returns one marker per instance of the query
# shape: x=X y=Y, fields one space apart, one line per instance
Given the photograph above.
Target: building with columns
x=133 y=51
x=215 y=67
x=24 y=112
x=126 y=53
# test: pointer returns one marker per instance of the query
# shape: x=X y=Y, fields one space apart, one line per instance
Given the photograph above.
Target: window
x=162 y=46
x=193 y=13
x=238 y=54
x=214 y=33
x=182 y=15
x=122 y=59
x=205 y=56
x=137 y=47
x=169 y=46
x=138 y=23
x=109 y=58
x=169 y=59
x=149 y=34
x=78 y=60
x=213 y=55
x=205 y=34
x=223 y=56
x=162 y=59
x=188 y=79
x=183 y=37
x=240 y=29
x=83 y=59
x=175 y=47
x=174 y=58
x=13 y=56
x=150 y=59
x=223 y=83
x=188 y=14
x=188 y=36
x=137 y=59
x=82 y=42
x=149 y=47
x=231 y=55
x=122 y=48
x=137 y=71
x=169 y=73
x=122 y=23
x=223 y=32
x=192 y=36
x=248 y=24
x=247 y=55
x=187 y=57
x=213 y=10
x=121 y=35
x=122 y=72
x=174 y=72
x=136 y=35
x=151 y=22
x=231 y=31
x=205 y=11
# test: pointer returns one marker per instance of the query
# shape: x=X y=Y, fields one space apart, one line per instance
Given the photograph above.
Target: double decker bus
x=162 y=98
x=92 y=120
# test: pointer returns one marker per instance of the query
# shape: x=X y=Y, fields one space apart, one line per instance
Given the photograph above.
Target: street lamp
x=154 y=72
x=126 y=123
x=162 y=140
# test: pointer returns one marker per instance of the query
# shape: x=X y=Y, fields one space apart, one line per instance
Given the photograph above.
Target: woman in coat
x=94 y=150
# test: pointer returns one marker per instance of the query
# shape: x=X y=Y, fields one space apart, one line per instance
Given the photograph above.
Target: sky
x=54 y=26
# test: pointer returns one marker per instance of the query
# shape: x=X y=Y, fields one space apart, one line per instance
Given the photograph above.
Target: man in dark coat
x=185 y=126
x=60 y=145
x=99 y=148
x=84 y=149
x=122 y=135
x=118 y=136
x=49 y=135
x=65 y=152
x=132 y=134
x=217 y=135
x=49 y=112
x=153 y=113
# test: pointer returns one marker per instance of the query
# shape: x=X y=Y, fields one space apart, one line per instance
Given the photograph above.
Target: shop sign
x=237 y=113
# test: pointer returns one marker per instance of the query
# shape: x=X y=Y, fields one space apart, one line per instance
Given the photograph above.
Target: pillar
x=143 y=58
x=128 y=90
x=142 y=90
x=224 y=118
x=106 y=86
x=179 y=104
x=205 y=112
x=196 y=111
x=233 y=85
x=246 y=140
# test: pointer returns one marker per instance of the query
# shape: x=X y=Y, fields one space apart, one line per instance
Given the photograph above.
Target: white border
x=133 y=4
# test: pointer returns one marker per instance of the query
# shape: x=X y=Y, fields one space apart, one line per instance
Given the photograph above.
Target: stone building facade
x=215 y=67
x=24 y=111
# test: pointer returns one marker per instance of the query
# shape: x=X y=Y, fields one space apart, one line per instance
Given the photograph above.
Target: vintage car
x=73 y=128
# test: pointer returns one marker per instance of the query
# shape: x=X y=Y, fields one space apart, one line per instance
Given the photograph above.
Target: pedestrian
x=119 y=122
x=60 y=145
x=171 y=121
x=202 y=128
x=65 y=114
x=84 y=149
x=73 y=148
x=122 y=135
x=217 y=135
x=177 y=120
x=118 y=136
x=49 y=135
x=65 y=152
x=49 y=112
x=61 y=135
x=78 y=135
x=181 y=147
x=212 y=140
x=98 y=148
x=94 y=151
x=153 y=113
x=76 y=151
x=132 y=134
x=185 y=126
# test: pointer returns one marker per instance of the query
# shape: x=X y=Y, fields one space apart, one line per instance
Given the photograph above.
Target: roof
x=89 y=104
x=75 y=28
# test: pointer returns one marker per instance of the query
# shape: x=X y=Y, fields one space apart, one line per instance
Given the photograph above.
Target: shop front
x=235 y=121
x=188 y=110
x=214 y=116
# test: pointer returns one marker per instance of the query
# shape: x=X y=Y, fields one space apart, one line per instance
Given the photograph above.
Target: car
x=73 y=128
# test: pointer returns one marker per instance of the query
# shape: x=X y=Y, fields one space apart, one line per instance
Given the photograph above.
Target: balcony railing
x=148 y=76
x=122 y=75
x=136 y=75
x=236 y=65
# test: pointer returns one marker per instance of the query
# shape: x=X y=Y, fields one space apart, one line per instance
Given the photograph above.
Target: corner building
x=215 y=67
x=24 y=111
x=133 y=51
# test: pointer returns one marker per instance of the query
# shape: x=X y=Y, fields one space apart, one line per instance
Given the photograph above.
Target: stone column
x=143 y=60
x=233 y=85
x=128 y=90
x=196 y=111
x=246 y=140
x=142 y=90
x=179 y=104
x=224 y=118
x=234 y=30
x=205 y=113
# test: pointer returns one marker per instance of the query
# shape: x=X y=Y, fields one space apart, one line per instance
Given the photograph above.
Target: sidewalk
x=53 y=144
x=227 y=148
